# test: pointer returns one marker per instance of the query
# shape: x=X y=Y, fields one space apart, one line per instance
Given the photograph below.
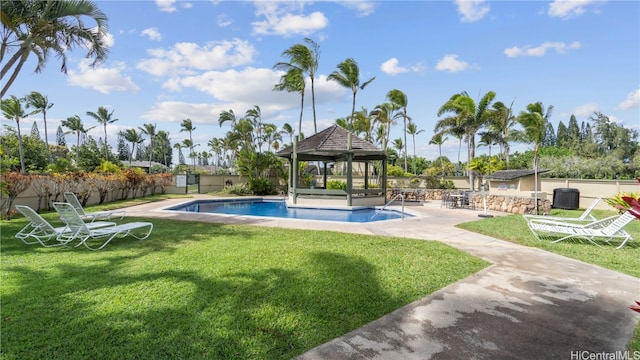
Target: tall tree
x=303 y=59
x=500 y=124
x=187 y=125
x=412 y=129
x=41 y=27
x=470 y=117
x=150 y=131
x=133 y=137
x=254 y=115
x=439 y=139
x=384 y=115
x=41 y=104
x=104 y=117
x=75 y=126
x=163 y=143
x=60 y=140
x=348 y=76
x=293 y=81
x=534 y=124
x=399 y=99
x=12 y=109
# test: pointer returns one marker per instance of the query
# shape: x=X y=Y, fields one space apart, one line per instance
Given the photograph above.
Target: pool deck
x=529 y=304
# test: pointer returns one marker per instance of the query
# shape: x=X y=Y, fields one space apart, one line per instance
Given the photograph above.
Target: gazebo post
x=294 y=159
x=384 y=179
x=366 y=175
x=349 y=178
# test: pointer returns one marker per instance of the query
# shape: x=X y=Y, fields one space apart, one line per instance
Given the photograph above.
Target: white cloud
x=451 y=63
x=239 y=90
x=632 y=100
x=223 y=20
x=286 y=19
x=528 y=50
x=364 y=8
x=152 y=33
x=390 y=67
x=569 y=8
x=166 y=5
x=103 y=79
x=585 y=110
x=185 y=58
x=472 y=10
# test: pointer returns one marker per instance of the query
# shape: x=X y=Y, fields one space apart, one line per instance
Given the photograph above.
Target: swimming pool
x=279 y=209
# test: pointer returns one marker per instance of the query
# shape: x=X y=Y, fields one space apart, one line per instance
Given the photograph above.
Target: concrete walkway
x=530 y=304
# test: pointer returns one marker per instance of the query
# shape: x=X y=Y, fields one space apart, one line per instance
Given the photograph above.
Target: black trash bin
x=566 y=198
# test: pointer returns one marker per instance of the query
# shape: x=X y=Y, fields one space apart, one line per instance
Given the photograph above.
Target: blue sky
x=172 y=60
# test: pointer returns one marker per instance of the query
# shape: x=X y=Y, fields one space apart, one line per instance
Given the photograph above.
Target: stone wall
x=508 y=204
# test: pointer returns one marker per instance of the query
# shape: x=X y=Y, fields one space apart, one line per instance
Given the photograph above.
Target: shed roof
x=331 y=144
x=513 y=174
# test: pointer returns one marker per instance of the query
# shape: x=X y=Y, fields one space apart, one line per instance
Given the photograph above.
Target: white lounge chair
x=83 y=233
x=607 y=229
x=72 y=199
x=42 y=231
x=584 y=217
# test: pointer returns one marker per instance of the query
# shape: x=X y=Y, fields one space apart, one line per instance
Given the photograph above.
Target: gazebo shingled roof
x=331 y=144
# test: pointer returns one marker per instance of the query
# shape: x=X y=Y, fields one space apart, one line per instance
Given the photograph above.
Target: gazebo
x=335 y=144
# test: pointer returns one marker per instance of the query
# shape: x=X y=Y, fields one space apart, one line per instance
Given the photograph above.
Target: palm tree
x=149 y=130
x=412 y=129
x=103 y=116
x=439 y=139
x=135 y=138
x=399 y=145
x=399 y=99
x=287 y=128
x=40 y=27
x=75 y=125
x=164 y=144
x=187 y=125
x=470 y=117
x=255 y=117
x=501 y=123
x=305 y=60
x=12 y=109
x=215 y=144
x=534 y=123
x=41 y=104
x=385 y=115
x=348 y=76
x=293 y=81
x=227 y=115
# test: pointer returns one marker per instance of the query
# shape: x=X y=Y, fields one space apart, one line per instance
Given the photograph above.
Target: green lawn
x=196 y=290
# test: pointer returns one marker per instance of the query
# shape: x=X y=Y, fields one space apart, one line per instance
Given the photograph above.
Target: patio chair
x=72 y=199
x=42 y=231
x=584 y=217
x=79 y=230
x=607 y=229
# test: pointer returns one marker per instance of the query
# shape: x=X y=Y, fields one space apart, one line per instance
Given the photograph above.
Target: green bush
x=393 y=170
x=261 y=186
x=240 y=190
x=336 y=185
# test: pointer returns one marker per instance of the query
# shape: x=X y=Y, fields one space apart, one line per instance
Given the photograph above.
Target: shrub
x=261 y=186
x=336 y=185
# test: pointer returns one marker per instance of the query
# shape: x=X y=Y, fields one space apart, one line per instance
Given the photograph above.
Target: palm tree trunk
x=301 y=109
x=13 y=77
x=22 y=168
x=313 y=106
x=12 y=60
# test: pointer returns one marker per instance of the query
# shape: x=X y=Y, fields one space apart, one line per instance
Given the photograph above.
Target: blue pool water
x=278 y=209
